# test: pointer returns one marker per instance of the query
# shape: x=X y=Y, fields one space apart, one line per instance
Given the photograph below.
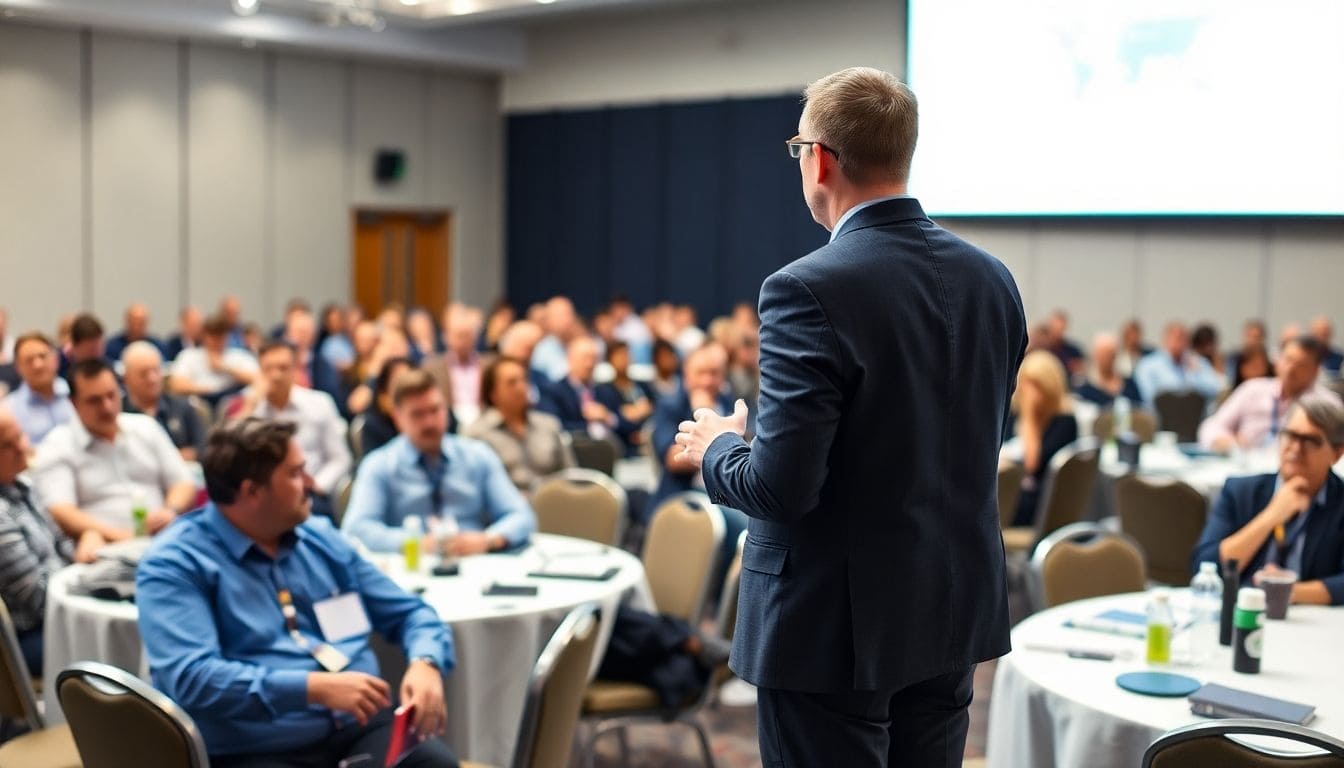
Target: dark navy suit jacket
x=1322 y=549
x=561 y=400
x=873 y=559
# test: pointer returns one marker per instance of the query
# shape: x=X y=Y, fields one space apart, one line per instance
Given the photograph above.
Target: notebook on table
x=1213 y=700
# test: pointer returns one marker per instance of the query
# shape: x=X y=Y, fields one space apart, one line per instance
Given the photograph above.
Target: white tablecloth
x=497 y=638
x=1048 y=709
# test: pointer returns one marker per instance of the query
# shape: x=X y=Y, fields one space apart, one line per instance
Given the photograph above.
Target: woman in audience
x=630 y=400
x=391 y=344
x=1106 y=384
x=379 y=428
x=1252 y=363
x=1204 y=342
x=501 y=317
x=1044 y=424
x=530 y=443
x=666 y=369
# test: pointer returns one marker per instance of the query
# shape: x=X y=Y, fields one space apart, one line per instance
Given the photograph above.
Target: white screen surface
x=1062 y=107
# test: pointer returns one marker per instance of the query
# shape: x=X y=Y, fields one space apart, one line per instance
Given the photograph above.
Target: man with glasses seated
x=457 y=486
x=1292 y=520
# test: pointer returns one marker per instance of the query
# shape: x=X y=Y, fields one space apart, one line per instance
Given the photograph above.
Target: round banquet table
x=1049 y=709
x=497 y=639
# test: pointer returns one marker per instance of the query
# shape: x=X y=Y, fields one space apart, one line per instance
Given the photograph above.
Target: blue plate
x=1158 y=684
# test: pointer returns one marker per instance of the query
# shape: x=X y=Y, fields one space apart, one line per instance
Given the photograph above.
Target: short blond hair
x=869 y=117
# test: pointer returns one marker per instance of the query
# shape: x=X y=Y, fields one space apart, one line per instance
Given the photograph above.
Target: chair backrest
x=1180 y=412
x=1085 y=560
x=595 y=454
x=732 y=583
x=204 y=412
x=1166 y=520
x=356 y=436
x=18 y=701
x=1141 y=422
x=1206 y=745
x=555 y=691
x=1068 y=486
x=583 y=503
x=119 y=721
x=344 y=487
x=681 y=548
x=1010 y=488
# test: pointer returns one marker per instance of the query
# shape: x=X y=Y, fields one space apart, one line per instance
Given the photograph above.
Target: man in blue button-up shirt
x=456 y=485
x=241 y=628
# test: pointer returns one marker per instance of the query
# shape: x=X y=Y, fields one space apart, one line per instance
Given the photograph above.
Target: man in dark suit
x=572 y=400
x=873 y=575
x=1293 y=519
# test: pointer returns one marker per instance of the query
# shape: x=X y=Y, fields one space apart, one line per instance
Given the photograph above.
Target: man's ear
x=825 y=164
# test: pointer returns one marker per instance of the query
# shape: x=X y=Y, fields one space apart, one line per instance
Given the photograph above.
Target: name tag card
x=342 y=617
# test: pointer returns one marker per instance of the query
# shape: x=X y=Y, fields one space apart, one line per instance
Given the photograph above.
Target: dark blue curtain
x=694 y=203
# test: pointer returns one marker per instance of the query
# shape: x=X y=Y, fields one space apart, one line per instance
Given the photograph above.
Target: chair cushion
x=52 y=747
x=607 y=696
x=469 y=764
x=1019 y=539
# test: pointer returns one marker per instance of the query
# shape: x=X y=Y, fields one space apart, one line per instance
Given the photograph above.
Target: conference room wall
x=1102 y=270
x=171 y=171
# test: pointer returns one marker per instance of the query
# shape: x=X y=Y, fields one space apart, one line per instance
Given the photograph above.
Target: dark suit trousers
x=920 y=726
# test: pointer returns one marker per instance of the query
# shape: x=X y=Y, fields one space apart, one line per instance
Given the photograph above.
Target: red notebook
x=403 y=736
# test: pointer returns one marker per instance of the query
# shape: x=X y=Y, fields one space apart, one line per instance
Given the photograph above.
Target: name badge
x=342 y=617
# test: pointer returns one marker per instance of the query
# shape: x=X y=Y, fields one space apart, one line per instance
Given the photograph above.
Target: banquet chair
x=40 y=746
x=582 y=503
x=1085 y=560
x=1166 y=519
x=1015 y=538
x=356 y=437
x=204 y=412
x=1141 y=423
x=680 y=554
x=555 y=693
x=593 y=453
x=344 y=487
x=120 y=721
x=1207 y=745
x=1064 y=499
x=1180 y=412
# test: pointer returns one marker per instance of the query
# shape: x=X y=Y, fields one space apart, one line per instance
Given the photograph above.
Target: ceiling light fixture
x=245 y=7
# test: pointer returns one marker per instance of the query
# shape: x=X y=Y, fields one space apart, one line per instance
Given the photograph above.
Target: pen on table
x=1077 y=653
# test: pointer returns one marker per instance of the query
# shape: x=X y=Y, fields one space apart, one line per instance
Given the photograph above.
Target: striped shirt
x=32 y=548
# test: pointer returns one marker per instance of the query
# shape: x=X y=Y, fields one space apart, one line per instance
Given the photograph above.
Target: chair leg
x=590 y=747
x=699 y=728
x=624 y=739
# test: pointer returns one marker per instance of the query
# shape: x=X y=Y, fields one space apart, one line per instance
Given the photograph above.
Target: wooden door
x=401 y=257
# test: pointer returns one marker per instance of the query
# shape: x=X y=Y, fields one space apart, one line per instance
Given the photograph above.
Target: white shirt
x=321 y=434
x=194 y=364
x=105 y=478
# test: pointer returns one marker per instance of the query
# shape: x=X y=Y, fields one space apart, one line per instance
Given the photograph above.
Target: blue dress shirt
x=217 y=642
x=38 y=416
x=1157 y=373
x=474 y=488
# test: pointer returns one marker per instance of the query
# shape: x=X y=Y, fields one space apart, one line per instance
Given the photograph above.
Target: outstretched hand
x=695 y=436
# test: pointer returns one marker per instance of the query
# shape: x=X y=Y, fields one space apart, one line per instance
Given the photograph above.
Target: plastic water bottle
x=1159 y=628
x=1206 y=604
x=1121 y=411
x=413 y=530
x=139 y=517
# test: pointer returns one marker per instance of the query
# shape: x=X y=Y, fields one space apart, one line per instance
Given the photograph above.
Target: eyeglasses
x=1302 y=438
x=796 y=145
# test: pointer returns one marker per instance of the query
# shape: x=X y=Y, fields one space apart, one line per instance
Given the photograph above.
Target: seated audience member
x=214 y=369
x=666 y=369
x=1251 y=363
x=688 y=336
x=1255 y=411
x=332 y=328
x=391 y=343
x=1204 y=342
x=744 y=366
x=93 y=470
x=702 y=387
x=1175 y=368
x=626 y=326
x=550 y=356
x=86 y=343
x=379 y=426
x=422 y=334
x=571 y=399
x=531 y=444
x=458 y=369
x=1252 y=343
x=294 y=306
x=1333 y=358
x=190 y=332
x=1044 y=425
x=1106 y=384
x=518 y=342
x=32 y=548
x=1132 y=349
x=1056 y=340
x=247 y=620
x=457 y=486
x=142 y=373
x=502 y=315
x=364 y=340
x=231 y=309
x=319 y=428
x=630 y=400
x=136 y=329
x=1293 y=519
x=41 y=402
x=300 y=330
x=253 y=337
x=1290 y=331
x=6 y=339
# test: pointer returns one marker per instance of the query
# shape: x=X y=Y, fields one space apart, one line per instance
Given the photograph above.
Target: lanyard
x=331 y=659
x=1284 y=546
